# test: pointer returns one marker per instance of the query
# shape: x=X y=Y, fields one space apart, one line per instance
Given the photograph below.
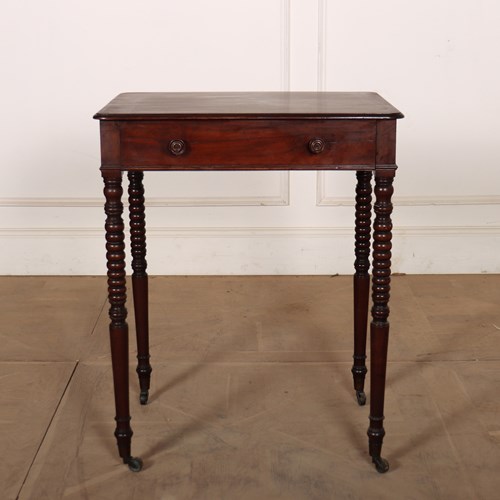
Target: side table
x=249 y=131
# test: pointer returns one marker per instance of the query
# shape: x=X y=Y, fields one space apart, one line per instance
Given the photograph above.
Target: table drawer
x=214 y=144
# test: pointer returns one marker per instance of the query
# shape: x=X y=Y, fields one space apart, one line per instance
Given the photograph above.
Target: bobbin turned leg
x=118 y=329
x=140 y=280
x=379 y=331
x=361 y=280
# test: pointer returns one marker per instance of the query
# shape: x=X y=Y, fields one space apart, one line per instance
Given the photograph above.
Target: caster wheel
x=381 y=464
x=134 y=464
x=361 y=397
x=143 y=398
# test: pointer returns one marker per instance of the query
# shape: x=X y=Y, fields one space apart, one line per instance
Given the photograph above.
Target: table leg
x=140 y=279
x=379 y=331
x=118 y=329
x=361 y=280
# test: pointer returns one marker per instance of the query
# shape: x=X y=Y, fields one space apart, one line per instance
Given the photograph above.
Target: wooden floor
x=251 y=394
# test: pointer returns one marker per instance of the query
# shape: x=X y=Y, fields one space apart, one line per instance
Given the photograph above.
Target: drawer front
x=244 y=144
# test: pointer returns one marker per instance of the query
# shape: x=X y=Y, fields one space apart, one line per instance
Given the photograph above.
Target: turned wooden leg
x=379 y=331
x=140 y=280
x=361 y=280
x=118 y=329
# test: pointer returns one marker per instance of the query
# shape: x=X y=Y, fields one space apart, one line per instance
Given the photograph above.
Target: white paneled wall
x=437 y=61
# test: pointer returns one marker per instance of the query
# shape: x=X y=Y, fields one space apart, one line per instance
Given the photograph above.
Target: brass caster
x=381 y=464
x=361 y=397
x=134 y=464
x=143 y=398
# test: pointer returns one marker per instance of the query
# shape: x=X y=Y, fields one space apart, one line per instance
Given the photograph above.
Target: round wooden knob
x=177 y=147
x=316 y=145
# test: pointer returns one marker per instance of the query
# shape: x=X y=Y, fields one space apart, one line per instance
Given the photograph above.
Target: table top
x=247 y=105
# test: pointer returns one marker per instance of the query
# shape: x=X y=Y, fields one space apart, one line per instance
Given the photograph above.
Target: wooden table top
x=247 y=105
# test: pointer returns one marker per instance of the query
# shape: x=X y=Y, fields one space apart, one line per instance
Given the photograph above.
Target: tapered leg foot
x=135 y=464
x=381 y=464
x=144 y=372
x=359 y=371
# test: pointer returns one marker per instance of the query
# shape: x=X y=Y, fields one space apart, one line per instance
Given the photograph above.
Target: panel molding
x=324 y=200
x=418 y=201
x=285 y=44
x=322 y=45
x=282 y=198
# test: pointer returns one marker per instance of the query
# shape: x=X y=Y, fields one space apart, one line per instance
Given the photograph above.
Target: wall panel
x=437 y=62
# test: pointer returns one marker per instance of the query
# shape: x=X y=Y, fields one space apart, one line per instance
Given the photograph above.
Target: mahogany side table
x=249 y=131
